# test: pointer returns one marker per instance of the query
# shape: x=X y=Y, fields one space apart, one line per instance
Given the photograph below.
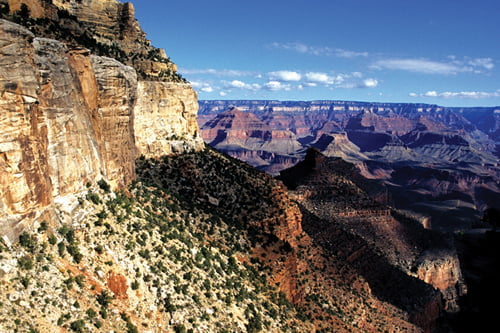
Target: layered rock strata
x=106 y=27
x=438 y=163
x=69 y=118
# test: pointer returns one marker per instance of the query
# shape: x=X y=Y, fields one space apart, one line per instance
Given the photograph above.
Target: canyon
x=439 y=164
x=116 y=216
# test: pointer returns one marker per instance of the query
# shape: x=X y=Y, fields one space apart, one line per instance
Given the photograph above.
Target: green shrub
x=43 y=226
x=104 y=186
x=91 y=313
x=28 y=241
x=104 y=299
x=25 y=262
x=94 y=198
x=52 y=239
x=78 y=326
x=180 y=329
x=134 y=285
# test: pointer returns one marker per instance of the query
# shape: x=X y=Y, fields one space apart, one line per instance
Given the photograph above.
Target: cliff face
x=63 y=127
x=443 y=271
x=70 y=117
x=165 y=119
x=106 y=27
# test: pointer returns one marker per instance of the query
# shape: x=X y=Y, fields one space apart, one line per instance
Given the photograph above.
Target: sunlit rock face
x=165 y=119
x=66 y=120
x=70 y=118
x=82 y=94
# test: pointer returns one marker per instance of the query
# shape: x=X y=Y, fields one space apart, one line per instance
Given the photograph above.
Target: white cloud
x=417 y=66
x=366 y=83
x=207 y=89
x=202 y=86
x=486 y=63
x=349 y=54
x=453 y=66
x=277 y=85
x=237 y=84
x=285 y=80
x=370 y=83
x=319 y=77
x=431 y=93
x=216 y=72
x=459 y=94
x=287 y=76
x=318 y=51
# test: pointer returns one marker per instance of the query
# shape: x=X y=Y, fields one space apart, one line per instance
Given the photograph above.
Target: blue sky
x=442 y=52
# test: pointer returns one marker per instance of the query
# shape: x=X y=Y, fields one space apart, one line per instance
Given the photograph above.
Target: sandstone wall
x=68 y=117
x=25 y=186
x=56 y=135
x=165 y=119
x=442 y=270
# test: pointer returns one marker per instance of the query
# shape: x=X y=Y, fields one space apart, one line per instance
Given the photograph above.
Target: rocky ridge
x=106 y=28
x=185 y=249
x=145 y=260
x=335 y=207
x=324 y=286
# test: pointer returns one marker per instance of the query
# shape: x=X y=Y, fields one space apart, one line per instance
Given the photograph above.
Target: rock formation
x=326 y=278
x=170 y=109
x=70 y=116
x=244 y=136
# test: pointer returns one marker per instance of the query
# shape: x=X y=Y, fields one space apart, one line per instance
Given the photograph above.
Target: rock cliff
x=165 y=119
x=246 y=137
x=71 y=113
x=106 y=27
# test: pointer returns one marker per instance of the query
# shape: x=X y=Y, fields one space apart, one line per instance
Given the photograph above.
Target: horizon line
x=350 y=101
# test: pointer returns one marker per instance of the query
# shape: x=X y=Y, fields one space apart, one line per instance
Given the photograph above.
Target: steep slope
x=200 y=240
x=391 y=247
x=325 y=286
x=144 y=260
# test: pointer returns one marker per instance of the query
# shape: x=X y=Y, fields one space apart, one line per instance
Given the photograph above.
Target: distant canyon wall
x=69 y=118
x=438 y=163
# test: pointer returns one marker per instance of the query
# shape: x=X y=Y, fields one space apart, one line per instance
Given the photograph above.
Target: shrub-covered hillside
x=152 y=259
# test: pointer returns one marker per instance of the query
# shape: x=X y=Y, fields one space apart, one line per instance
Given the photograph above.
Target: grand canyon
x=115 y=216
x=439 y=164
